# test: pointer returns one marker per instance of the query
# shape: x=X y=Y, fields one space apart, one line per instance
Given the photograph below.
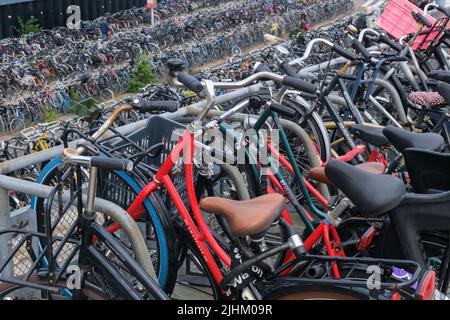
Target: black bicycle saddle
x=441 y=75
x=372 y=194
x=402 y=139
x=444 y=90
x=371 y=135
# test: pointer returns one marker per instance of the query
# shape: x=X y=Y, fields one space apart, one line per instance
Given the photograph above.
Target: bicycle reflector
x=426 y=289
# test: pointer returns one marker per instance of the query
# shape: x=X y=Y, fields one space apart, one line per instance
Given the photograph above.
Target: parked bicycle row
x=297 y=181
x=86 y=87
x=39 y=44
x=30 y=88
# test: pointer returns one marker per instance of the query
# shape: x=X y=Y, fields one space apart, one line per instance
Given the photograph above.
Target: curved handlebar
x=239 y=84
x=367 y=30
x=309 y=48
x=425 y=10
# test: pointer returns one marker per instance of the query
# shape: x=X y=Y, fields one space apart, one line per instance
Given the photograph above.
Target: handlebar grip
x=344 y=53
x=287 y=69
x=421 y=18
x=190 y=82
x=286 y=111
x=445 y=42
x=445 y=11
x=112 y=163
x=397 y=59
x=299 y=84
x=394 y=45
x=260 y=67
x=151 y=106
x=361 y=49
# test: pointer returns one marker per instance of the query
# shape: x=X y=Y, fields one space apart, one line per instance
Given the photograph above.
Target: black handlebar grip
x=112 y=164
x=361 y=49
x=398 y=59
x=445 y=11
x=394 y=45
x=288 y=69
x=299 y=84
x=151 y=106
x=344 y=53
x=421 y=18
x=190 y=82
x=445 y=42
x=286 y=111
x=260 y=67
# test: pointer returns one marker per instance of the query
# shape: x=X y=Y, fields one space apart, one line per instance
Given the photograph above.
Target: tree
x=143 y=73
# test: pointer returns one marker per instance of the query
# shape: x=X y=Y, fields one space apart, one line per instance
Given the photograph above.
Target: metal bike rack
x=118 y=214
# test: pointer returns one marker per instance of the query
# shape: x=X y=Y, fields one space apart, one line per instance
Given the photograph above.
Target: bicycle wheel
x=15 y=292
x=17 y=124
x=194 y=274
x=155 y=226
x=288 y=291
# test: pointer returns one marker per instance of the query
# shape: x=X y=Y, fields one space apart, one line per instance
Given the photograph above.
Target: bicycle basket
x=135 y=147
x=398 y=21
x=48 y=251
x=374 y=273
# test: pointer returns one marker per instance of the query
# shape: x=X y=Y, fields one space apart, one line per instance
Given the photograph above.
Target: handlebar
x=344 y=53
x=70 y=156
x=425 y=9
x=288 y=69
x=367 y=30
x=190 y=82
x=361 y=49
x=421 y=18
x=146 y=105
x=298 y=84
x=388 y=41
x=308 y=50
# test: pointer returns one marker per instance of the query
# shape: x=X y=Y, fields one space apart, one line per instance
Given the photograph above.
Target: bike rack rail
x=7 y=219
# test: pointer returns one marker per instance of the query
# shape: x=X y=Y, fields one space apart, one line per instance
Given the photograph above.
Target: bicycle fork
x=87 y=219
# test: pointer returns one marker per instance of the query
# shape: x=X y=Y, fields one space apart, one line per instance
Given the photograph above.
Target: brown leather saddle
x=248 y=217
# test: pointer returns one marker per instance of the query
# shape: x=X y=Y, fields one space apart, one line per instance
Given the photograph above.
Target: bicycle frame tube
x=185 y=147
x=291 y=165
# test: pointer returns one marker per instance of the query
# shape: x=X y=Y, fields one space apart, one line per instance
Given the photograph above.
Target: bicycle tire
x=7 y=288
x=167 y=265
x=287 y=291
x=190 y=250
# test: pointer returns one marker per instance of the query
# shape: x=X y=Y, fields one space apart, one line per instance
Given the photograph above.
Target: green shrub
x=143 y=73
x=85 y=108
x=30 y=26
x=50 y=114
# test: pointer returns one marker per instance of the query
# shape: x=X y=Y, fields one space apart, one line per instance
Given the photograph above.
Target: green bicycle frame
x=256 y=172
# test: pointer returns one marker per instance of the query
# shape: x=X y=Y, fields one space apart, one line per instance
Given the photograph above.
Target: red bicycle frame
x=201 y=235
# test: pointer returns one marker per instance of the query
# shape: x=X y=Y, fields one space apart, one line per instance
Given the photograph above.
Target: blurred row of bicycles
x=54 y=69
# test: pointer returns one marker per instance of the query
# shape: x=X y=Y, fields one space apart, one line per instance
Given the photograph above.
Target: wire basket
x=137 y=147
x=50 y=252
